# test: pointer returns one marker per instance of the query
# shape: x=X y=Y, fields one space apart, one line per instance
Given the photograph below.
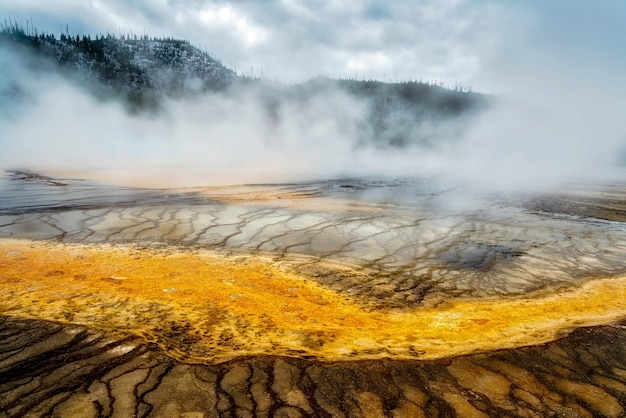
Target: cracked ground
x=334 y=298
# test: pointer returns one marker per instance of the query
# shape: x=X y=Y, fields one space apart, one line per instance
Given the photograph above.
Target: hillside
x=141 y=71
x=409 y=113
x=138 y=67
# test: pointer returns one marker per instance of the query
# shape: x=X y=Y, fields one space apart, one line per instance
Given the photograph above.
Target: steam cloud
x=550 y=130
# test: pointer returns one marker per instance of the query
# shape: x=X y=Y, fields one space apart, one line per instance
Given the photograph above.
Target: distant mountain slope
x=137 y=66
x=409 y=113
x=144 y=70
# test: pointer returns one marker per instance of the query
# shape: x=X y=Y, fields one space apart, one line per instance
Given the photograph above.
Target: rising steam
x=528 y=142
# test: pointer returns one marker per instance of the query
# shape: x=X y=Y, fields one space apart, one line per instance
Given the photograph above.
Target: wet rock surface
x=604 y=201
x=49 y=369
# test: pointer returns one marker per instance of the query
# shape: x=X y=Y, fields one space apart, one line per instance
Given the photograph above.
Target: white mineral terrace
x=416 y=237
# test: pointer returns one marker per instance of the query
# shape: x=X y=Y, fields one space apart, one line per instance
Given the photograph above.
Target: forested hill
x=138 y=66
x=142 y=70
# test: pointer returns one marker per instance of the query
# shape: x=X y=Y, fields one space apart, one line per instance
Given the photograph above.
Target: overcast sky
x=474 y=43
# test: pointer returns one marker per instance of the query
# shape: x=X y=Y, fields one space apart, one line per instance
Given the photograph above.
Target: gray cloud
x=470 y=42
